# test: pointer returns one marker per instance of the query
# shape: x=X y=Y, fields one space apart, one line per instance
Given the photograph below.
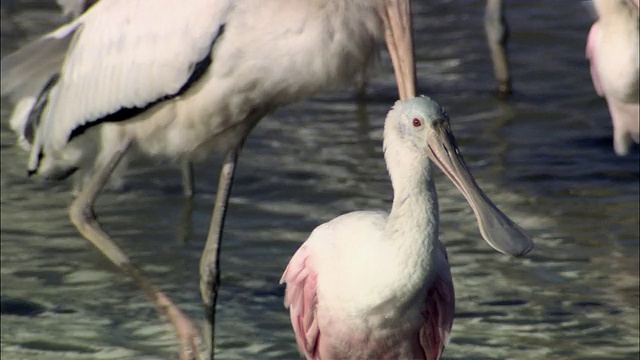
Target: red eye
x=417 y=122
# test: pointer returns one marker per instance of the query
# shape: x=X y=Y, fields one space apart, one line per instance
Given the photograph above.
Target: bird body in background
x=195 y=80
x=180 y=80
x=372 y=285
x=613 y=49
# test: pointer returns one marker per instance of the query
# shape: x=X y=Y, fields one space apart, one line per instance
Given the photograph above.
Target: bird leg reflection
x=188 y=186
x=185 y=227
x=83 y=217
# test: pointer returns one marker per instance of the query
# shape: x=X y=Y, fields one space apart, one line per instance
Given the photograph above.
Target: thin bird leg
x=188 y=187
x=184 y=231
x=209 y=264
x=497 y=31
x=83 y=217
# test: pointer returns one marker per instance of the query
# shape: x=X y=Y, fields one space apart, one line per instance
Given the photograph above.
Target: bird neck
x=413 y=219
x=614 y=9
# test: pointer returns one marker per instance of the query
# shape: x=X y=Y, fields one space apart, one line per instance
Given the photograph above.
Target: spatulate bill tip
x=506 y=237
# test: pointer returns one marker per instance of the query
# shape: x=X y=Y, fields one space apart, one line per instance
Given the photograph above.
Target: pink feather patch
x=301 y=299
x=592 y=43
x=438 y=314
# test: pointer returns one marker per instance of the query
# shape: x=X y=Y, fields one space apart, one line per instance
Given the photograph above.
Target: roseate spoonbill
x=372 y=285
x=182 y=79
x=612 y=48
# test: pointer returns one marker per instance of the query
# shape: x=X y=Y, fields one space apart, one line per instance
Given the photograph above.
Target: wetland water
x=545 y=157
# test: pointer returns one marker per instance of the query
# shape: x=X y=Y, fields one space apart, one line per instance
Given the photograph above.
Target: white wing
x=127 y=54
x=24 y=73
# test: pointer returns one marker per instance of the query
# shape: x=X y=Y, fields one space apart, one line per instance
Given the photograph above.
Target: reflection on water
x=545 y=158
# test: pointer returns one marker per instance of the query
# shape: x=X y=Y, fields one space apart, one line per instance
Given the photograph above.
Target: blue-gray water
x=545 y=157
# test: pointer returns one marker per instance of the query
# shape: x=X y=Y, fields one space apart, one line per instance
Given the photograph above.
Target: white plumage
x=613 y=49
x=123 y=56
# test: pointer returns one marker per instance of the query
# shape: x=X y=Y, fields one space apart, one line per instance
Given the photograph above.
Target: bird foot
x=190 y=342
x=188 y=334
x=504 y=90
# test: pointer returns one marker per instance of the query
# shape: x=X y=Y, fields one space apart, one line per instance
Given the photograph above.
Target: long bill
x=496 y=228
x=399 y=37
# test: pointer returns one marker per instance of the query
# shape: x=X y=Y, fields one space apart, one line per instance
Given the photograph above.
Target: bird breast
x=366 y=279
x=618 y=58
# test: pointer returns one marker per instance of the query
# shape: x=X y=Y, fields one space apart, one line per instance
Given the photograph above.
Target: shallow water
x=545 y=157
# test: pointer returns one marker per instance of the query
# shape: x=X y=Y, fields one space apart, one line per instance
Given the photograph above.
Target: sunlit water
x=545 y=157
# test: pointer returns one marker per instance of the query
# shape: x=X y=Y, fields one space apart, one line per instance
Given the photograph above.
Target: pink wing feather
x=438 y=314
x=592 y=43
x=301 y=299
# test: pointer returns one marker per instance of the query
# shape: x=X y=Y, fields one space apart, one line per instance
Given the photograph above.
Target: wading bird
x=612 y=48
x=179 y=80
x=372 y=285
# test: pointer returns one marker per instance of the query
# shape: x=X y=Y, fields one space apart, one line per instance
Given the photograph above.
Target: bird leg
x=184 y=231
x=188 y=187
x=83 y=217
x=497 y=31
x=209 y=264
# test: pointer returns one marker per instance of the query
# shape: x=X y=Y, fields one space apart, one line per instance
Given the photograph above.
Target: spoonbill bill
x=612 y=48
x=180 y=80
x=377 y=285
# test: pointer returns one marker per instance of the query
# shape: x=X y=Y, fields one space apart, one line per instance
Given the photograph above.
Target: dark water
x=545 y=157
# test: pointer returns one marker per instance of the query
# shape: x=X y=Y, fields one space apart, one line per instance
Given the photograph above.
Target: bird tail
x=24 y=75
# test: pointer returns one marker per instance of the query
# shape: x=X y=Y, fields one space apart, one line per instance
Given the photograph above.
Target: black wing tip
x=56 y=175
x=125 y=113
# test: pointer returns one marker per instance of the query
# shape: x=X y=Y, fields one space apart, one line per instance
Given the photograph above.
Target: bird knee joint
x=80 y=215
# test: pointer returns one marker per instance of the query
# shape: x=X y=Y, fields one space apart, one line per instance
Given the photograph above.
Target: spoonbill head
x=372 y=285
x=613 y=50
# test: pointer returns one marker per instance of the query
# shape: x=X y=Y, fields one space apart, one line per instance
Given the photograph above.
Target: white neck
x=414 y=215
x=616 y=8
